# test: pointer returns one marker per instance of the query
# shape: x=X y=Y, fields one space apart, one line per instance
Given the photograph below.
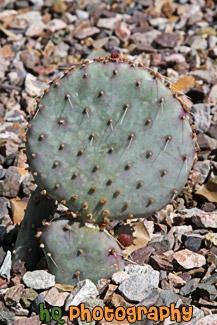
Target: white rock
x=39 y=280
x=32 y=86
x=55 y=24
x=138 y=269
x=83 y=290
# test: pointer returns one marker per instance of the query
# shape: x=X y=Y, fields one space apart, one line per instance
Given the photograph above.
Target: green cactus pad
x=27 y=248
x=110 y=139
x=82 y=252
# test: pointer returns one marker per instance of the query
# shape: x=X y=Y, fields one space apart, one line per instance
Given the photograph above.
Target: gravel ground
x=38 y=40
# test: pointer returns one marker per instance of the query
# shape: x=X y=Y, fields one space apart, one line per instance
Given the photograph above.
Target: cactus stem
x=49 y=255
x=69 y=99
x=126 y=107
x=169 y=137
x=86 y=111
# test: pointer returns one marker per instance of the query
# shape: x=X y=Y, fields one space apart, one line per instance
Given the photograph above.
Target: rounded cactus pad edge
x=110 y=139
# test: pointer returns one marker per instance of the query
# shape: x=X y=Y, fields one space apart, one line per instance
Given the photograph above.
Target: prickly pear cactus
x=82 y=251
x=109 y=139
x=27 y=248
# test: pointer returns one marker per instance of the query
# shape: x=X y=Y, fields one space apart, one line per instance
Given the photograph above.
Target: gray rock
x=166 y=297
x=203 y=167
x=138 y=287
x=10 y=186
x=83 y=290
x=6 y=267
x=189 y=287
x=201 y=114
x=208 y=320
x=205 y=75
x=39 y=280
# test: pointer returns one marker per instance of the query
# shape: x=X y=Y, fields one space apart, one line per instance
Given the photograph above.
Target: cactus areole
x=109 y=139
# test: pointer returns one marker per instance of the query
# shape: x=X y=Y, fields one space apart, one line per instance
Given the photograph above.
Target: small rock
x=138 y=287
x=147 y=37
x=55 y=24
x=140 y=255
x=189 y=287
x=117 y=300
x=205 y=75
x=13 y=295
x=193 y=243
x=138 y=269
x=39 y=280
x=10 y=186
x=35 y=304
x=176 y=280
x=6 y=267
x=167 y=40
x=55 y=298
x=201 y=116
x=203 y=167
x=109 y=23
x=119 y=277
x=32 y=86
x=19 y=311
x=28 y=321
x=163 y=243
x=205 y=220
x=35 y=29
x=206 y=291
x=166 y=298
x=123 y=32
x=28 y=296
x=6 y=316
x=208 y=320
x=208 y=207
x=212 y=98
x=59 y=6
x=82 y=14
x=83 y=290
x=86 y=32
x=188 y=259
x=159 y=262
x=29 y=58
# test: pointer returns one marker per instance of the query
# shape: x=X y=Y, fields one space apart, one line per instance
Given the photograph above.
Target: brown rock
x=159 y=262
x=13 y=295
x=86 y=32
x=123 y=32
x=28 y=321
x=183 y=84
x=29 y=58
x=167 y=9
x=175 y=280
x=55 y=298
x=118 y=300
x=141 y=255
x=10 y=186
x=167 y=40
x=111 y=289
x=59 y=6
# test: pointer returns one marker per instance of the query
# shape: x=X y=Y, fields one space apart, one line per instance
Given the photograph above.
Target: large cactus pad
x=110 y=139
x=82 y=252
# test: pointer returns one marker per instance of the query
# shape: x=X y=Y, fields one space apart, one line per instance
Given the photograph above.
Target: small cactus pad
x=27 y=248
x=110 y=139
x=82 y=251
